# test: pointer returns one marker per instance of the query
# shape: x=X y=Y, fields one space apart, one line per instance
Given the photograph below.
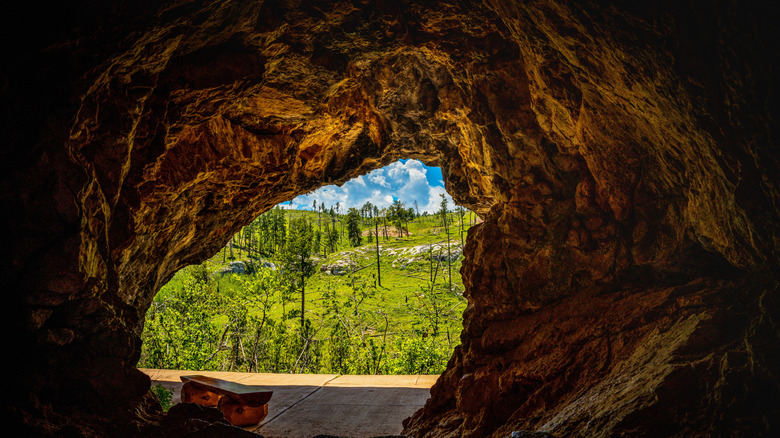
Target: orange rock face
x=623 y=282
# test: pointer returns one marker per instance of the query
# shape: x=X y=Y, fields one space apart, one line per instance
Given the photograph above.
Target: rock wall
x=623 y=281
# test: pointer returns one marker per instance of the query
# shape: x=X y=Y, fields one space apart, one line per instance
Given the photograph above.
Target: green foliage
x=350 y=324
x=418 y=355
x=164 y=396
x=316 y=241
x=296 y=259
x=443 y=210
x=331 y=237
x=296 y=254
x=178 y=327
x=398 y=215
x=353 y=227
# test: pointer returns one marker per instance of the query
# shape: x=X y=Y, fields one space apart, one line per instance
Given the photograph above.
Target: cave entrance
x=358 y=279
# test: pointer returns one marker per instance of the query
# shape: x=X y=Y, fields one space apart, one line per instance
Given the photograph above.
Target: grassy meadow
x=404 y=320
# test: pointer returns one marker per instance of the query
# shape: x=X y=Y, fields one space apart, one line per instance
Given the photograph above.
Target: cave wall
x=622 y=158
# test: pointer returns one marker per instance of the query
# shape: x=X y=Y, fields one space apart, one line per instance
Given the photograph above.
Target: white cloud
x=378 y=179
x=407 y=181
x=434 y=199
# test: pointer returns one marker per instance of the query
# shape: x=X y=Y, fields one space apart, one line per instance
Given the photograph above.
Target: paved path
x=305 y=405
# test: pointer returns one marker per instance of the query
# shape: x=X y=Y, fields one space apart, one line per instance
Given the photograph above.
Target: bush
x=418 y=355
x=164 y=396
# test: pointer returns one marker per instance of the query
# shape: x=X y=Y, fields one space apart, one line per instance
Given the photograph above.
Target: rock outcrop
x=623 y=158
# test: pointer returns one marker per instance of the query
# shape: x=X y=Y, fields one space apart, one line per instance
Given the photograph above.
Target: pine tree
x=461 y=213
x=353 y=227
x=331 y=236
x=396 y=213
x=316 y=242
x=366 y=211
x=443 y=212
x=334 y=238
x=376 y=233
x=278 y=228
x=296 y=258
x=317 y=208
x=326 y=239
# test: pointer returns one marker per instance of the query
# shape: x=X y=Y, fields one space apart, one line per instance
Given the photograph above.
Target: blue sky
x=407 y=180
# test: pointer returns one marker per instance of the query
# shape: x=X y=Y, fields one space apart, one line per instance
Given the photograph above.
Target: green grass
x=405 y=304
x=401 y=288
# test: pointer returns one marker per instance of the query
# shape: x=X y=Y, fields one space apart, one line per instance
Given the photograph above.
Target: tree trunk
x=430 y=257
x=378 y=270
x=449 y=254
x=303 y=295
x=461 y=230
x=239 y=242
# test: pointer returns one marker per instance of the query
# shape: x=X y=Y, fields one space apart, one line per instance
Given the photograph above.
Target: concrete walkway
x=305 y=405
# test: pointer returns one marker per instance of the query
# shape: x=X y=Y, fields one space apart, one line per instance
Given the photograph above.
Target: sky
x=407 y=180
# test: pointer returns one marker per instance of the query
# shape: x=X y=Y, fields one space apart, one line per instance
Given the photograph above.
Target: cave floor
x=305 y=405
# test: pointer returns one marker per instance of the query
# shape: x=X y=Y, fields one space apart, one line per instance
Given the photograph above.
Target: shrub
x=164 y=396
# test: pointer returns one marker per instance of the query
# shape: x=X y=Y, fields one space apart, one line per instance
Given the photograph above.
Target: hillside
x=248 y=305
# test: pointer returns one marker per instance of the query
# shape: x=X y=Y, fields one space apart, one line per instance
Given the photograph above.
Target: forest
x=362 y=291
